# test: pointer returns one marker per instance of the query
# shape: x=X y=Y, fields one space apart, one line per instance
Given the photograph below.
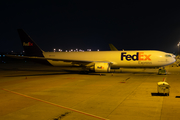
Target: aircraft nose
x=174 y=60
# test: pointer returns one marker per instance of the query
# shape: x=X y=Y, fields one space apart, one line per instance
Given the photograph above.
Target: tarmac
x=31 y=91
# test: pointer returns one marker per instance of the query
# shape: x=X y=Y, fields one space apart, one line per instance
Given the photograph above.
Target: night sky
x=127 y=25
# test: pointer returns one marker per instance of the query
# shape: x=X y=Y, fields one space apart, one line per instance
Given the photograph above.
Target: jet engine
x=101 y=67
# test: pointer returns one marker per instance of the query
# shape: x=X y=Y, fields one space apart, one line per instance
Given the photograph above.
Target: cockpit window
x=168 y=56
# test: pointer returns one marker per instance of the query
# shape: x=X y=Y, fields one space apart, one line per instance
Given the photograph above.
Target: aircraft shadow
x=158 y=94
x=57 y=72
x=36 y=74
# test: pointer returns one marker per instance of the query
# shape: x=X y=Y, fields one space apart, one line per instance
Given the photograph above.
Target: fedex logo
x=27 y=44
x=138 y=56
x=100 y=67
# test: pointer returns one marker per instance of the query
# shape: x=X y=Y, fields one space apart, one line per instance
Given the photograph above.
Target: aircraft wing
x=80 y=62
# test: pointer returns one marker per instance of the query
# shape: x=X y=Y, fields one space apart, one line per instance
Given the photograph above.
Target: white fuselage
x=145 y=58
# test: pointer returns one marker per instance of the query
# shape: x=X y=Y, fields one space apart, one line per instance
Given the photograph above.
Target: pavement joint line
x=125 y=98
x=56 y=104
x=161 y=109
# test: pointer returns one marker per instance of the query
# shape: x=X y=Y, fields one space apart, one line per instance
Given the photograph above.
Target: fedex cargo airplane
x=97 y=61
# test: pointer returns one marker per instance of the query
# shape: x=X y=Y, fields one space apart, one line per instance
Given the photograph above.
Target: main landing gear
x=162 y=71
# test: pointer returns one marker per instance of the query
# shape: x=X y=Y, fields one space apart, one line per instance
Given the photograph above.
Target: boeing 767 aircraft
x=97 y=61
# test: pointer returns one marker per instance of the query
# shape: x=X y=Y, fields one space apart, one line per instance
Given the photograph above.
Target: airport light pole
x=178 y=47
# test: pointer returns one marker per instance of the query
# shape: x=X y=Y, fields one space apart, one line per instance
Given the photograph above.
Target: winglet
x=112 y=47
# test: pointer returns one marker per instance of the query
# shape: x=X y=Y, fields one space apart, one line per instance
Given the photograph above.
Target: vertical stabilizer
x=30 y=47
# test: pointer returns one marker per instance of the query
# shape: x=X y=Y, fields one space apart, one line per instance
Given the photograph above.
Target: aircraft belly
x=59 y=63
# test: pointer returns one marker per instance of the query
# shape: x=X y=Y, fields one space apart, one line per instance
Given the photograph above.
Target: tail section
x=30 y=47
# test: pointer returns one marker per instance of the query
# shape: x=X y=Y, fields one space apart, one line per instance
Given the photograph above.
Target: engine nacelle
x=101 y=67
